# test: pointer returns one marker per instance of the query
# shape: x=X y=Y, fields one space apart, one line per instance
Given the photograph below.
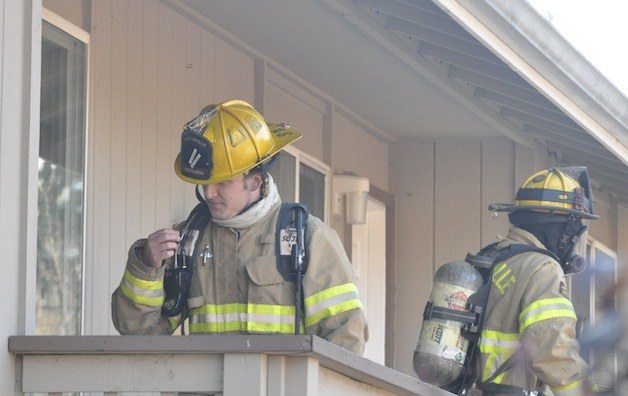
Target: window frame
x=590 y=248
x=317 y=165
x=81 y=35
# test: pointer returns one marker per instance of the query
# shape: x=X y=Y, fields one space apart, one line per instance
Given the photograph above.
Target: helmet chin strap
x=571 y=263
x=199 y=196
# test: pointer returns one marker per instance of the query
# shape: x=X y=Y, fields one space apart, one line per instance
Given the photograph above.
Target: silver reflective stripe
x=149 y=293
x=332 y=301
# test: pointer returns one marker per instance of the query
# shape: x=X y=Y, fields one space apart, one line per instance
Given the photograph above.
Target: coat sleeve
x=333 y=309
x=136 y=303
x=547 y=326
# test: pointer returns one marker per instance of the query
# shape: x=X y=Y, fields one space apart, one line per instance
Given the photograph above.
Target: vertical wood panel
x=168 y=31
x=180 y=191
x=245 y=374
x=368 y=157
x=412 y=183
x=194 y=97
x=101 y=52
x=207 y=68
x=134 y=127
x=497 y=186
x=235 y=74
x=118 y=100
x=302 y=376
x=149 y=119
x=524 y=165
x=75 y=11
x=457 y=202
x=303 y=112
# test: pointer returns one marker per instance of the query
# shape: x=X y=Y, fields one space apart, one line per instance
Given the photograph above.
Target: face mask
x=571 y=263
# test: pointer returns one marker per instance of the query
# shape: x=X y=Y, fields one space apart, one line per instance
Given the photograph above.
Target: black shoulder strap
x=177 y=279
x=484 y=262
x=286 y=235
x=507 y=252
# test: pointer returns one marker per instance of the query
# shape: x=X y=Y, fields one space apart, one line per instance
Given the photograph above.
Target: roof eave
x=531 y=46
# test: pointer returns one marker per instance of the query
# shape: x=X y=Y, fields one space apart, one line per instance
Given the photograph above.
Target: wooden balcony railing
x=204 y=364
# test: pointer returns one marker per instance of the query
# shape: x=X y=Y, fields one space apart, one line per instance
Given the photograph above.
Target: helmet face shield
x=226 y=140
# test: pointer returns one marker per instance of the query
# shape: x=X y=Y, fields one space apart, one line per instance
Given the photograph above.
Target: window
x=595 y=301
x=303 y=179
x=60 y=226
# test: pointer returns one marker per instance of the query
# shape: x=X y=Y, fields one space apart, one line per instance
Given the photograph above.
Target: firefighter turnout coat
x=529 y=313
x=236 y=287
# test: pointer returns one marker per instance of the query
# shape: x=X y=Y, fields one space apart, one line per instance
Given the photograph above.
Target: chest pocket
x=263 y=271
x=266 y=285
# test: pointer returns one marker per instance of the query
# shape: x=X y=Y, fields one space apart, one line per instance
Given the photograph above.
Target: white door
x=369 y=263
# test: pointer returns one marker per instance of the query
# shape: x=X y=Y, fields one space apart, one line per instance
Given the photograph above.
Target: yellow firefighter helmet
x=226 y=140
x=562 y=191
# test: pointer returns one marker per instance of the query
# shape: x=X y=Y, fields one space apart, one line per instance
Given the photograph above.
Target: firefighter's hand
x=160 y=245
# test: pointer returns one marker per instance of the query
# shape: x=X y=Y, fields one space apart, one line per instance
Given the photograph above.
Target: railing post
x=245 y=374
x=295 y=375
x=302 y=376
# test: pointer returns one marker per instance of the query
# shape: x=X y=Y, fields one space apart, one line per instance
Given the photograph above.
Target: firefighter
x=528 y=339
x=236 y=286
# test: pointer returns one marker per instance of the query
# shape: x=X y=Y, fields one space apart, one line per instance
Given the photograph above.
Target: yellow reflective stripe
x=258 y=327
x=326 y=294
x=498 y=346
x=141 y=291
x=493 y=362
x=502 y=277
x=142 y=283
x=215 y=327
x=212 y=318
x=565 y=390
x=271 y=309
x=499 y=269
x=330 y=302
x=255 y=318
x=174 y=322
x=559 y=307
x=498 y=342
x=263 y=318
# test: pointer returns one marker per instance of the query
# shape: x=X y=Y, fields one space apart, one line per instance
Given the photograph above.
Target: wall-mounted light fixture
x=356 y=192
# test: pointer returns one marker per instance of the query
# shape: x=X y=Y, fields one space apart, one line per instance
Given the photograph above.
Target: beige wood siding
x=356 y=151
x=443 y=188
x=151 y=71
x=412 y=182
x=286 y=102
x=76 y=11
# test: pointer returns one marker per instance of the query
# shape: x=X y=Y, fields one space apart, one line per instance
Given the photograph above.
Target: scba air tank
x=441 y=350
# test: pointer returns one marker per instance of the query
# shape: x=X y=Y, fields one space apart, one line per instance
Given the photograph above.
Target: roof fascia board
x=526 y=42
x=410 y=57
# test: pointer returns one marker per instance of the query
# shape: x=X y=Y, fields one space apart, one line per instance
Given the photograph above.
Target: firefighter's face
x=229 y=198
